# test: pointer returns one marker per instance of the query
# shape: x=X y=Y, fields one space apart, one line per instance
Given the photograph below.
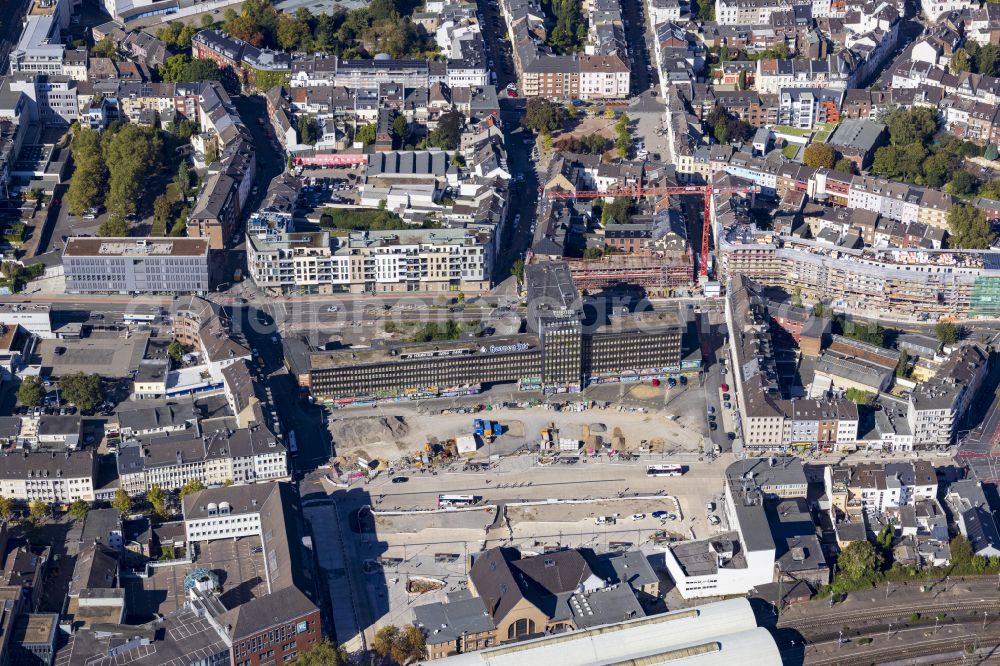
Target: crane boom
x=706 y=192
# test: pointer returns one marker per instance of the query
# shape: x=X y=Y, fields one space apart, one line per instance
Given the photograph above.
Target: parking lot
x=238 y=564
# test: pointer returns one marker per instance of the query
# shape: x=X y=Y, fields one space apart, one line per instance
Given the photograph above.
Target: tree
x=6 y=508
x=916 y=125
x=963 y=183
x=105 y=48
x=448 y=133
x=192 y=486
x=87 y=185
x=115 y=226
x=84 y=391
x=623 y=137
x=593 y=253
x=79 y=509
x=182 y=68
x=616 y=212
x=969 y=228
x=292 y=33
x=542 y=116
x=961 y=551
x=903 y=364
x=176 y=351
x=182 y=181
x=384 y=639
x=206 y=21
x=517 y=269
x=884 y=538
x=416 y=641
x=960 y=62
x=323 y=654
x=37 y=511
x=859 y=561
x=743 y=79
x=947 y=332
x=365 y=134
x=797 y=297
x=820 y=155
x=31 y=391
x=122 y=502
x=157 y=499
x=162 y=207
x=308 y=133
x=571 y=111
x=990 y=152
x=400 y=128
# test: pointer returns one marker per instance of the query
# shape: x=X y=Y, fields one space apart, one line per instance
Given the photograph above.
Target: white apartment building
x=48 y=476
x=374 y=261
x=933 y=9
x=748 y=12
x=247 y=455
x=225 y=513
x=604 y=77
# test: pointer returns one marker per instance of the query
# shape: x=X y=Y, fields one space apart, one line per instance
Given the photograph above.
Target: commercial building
x=771 y=537
x=557 y=355
x=708 y=635
x=246 y=455
x=269 y=628
x=568 y=590
x=769 y=421
x=373 y=261
x=48 y=476
x=936 y=406
x=149 y=265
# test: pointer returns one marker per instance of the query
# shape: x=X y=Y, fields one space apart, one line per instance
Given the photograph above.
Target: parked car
x=714 y=519
x=638 y=516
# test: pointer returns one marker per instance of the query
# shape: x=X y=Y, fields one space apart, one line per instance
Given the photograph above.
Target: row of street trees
x=113 y=169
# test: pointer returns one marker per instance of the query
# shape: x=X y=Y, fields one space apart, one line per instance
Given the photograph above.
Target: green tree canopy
x=79 y=508
x=157 y=498
x=859 y=561
x=947 y=332
x=182 y=68
x=820 y=155
x=543 y=116
x=31 y=391
x=84 y=391
x=969 y=228
x=324 y=653
x=916 y=125
x=37 y=511
x=365 y=134
x=192 y=486
x=122 y=502
x=6 y=508
x=448 y=133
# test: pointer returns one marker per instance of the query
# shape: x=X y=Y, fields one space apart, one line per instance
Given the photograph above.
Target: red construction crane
x=706 y=191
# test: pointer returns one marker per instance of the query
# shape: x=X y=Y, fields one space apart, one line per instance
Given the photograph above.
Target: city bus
x=293 y=446
x=455 y=501
x=664 y=470
x=138 y=318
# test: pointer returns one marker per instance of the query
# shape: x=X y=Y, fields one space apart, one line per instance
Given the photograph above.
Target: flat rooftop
x=108 y=354
x=427 y=350
x=144 y=247
x=240 y=570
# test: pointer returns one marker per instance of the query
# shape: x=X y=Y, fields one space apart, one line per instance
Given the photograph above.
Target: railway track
x=909 y=649
x=834 y=619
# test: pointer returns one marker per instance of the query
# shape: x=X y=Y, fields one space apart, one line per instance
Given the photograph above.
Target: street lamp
x=887 y=634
